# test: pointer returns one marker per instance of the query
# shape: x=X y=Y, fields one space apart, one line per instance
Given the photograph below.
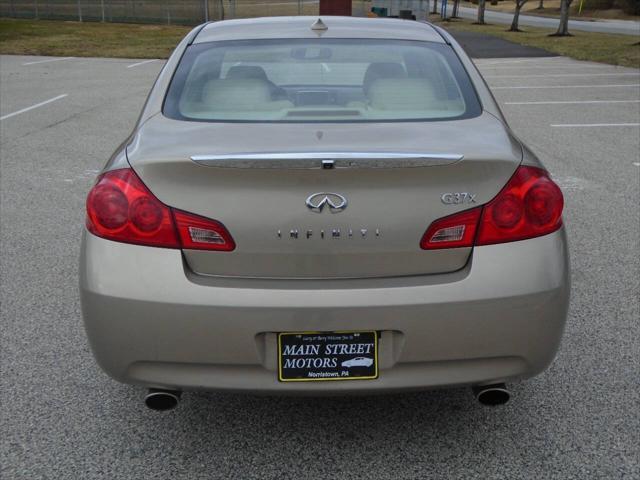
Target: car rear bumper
x=150 y=321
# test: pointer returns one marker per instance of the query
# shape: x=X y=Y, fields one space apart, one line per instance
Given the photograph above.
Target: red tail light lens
x=454 y=231
x=121 y=208
x=530 y=205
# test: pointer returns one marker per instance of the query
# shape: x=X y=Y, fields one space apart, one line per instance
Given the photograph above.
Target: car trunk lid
x=280 y=188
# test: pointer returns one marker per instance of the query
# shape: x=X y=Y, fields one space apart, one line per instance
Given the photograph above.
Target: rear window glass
x=320 y=80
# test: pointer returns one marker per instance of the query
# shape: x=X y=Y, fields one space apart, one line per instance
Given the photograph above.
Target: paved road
x=624 y=27
x=62 y=418
x=480 y=45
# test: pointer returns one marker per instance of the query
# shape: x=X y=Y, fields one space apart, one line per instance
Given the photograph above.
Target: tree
x=563 y=28
x=481 y=5
x=516 y=15
x=454 y=11
x=540 y=5
x=435 y=7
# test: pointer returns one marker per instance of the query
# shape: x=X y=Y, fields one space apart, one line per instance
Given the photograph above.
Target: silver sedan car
x=299 y=192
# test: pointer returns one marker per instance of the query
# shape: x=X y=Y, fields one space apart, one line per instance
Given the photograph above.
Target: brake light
x=530 y=205
x=121 y=208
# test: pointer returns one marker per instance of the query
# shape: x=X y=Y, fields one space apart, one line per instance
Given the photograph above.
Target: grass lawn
x=552 y=9
x=596 y=47
x=73 y=39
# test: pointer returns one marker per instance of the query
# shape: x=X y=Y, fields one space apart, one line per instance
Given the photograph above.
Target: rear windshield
x=320 y=80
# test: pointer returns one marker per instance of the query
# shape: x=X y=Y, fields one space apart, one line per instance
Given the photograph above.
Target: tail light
x=201 y=233
x=458 y=230
x=121 y=208
x=530 y=205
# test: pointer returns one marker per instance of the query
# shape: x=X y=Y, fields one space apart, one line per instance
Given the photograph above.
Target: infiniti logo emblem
x=335 y=202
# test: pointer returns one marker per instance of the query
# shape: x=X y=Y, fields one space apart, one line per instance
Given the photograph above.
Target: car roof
x=300 y=27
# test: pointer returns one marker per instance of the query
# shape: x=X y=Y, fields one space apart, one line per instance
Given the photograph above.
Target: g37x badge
x=458 y=198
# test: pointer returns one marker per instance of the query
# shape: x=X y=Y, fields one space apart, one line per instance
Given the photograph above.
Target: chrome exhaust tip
x=162 y=400
x=491 y=395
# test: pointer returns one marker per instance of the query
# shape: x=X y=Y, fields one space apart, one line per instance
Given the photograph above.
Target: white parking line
x=544 y=67
x=522 y=60
x=47 y=61
x=33 y=106
x=141 y=63
x=566 y=75
x=573 y=183
x=571 y=102
x=566 y=86
x=577 y=125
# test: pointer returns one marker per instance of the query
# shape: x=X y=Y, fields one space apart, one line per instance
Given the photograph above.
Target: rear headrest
x=240 y=94
x=402 y=94
x=247 y=71
x=379 y=70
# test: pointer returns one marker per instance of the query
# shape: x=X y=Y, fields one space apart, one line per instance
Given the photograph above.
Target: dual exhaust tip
x=164 y=400
x=492 y=395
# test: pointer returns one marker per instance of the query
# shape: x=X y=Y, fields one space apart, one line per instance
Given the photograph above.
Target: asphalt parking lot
x=63 y=418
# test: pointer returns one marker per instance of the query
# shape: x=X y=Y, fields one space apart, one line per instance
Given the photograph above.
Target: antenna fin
x=319 y=26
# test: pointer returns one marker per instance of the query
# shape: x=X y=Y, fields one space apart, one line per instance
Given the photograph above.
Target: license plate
x=317 y=356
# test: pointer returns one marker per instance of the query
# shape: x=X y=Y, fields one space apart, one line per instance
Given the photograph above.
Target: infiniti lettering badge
x=335 y=202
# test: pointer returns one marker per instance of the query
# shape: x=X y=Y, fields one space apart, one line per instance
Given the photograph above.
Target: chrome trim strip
x=315 y=160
